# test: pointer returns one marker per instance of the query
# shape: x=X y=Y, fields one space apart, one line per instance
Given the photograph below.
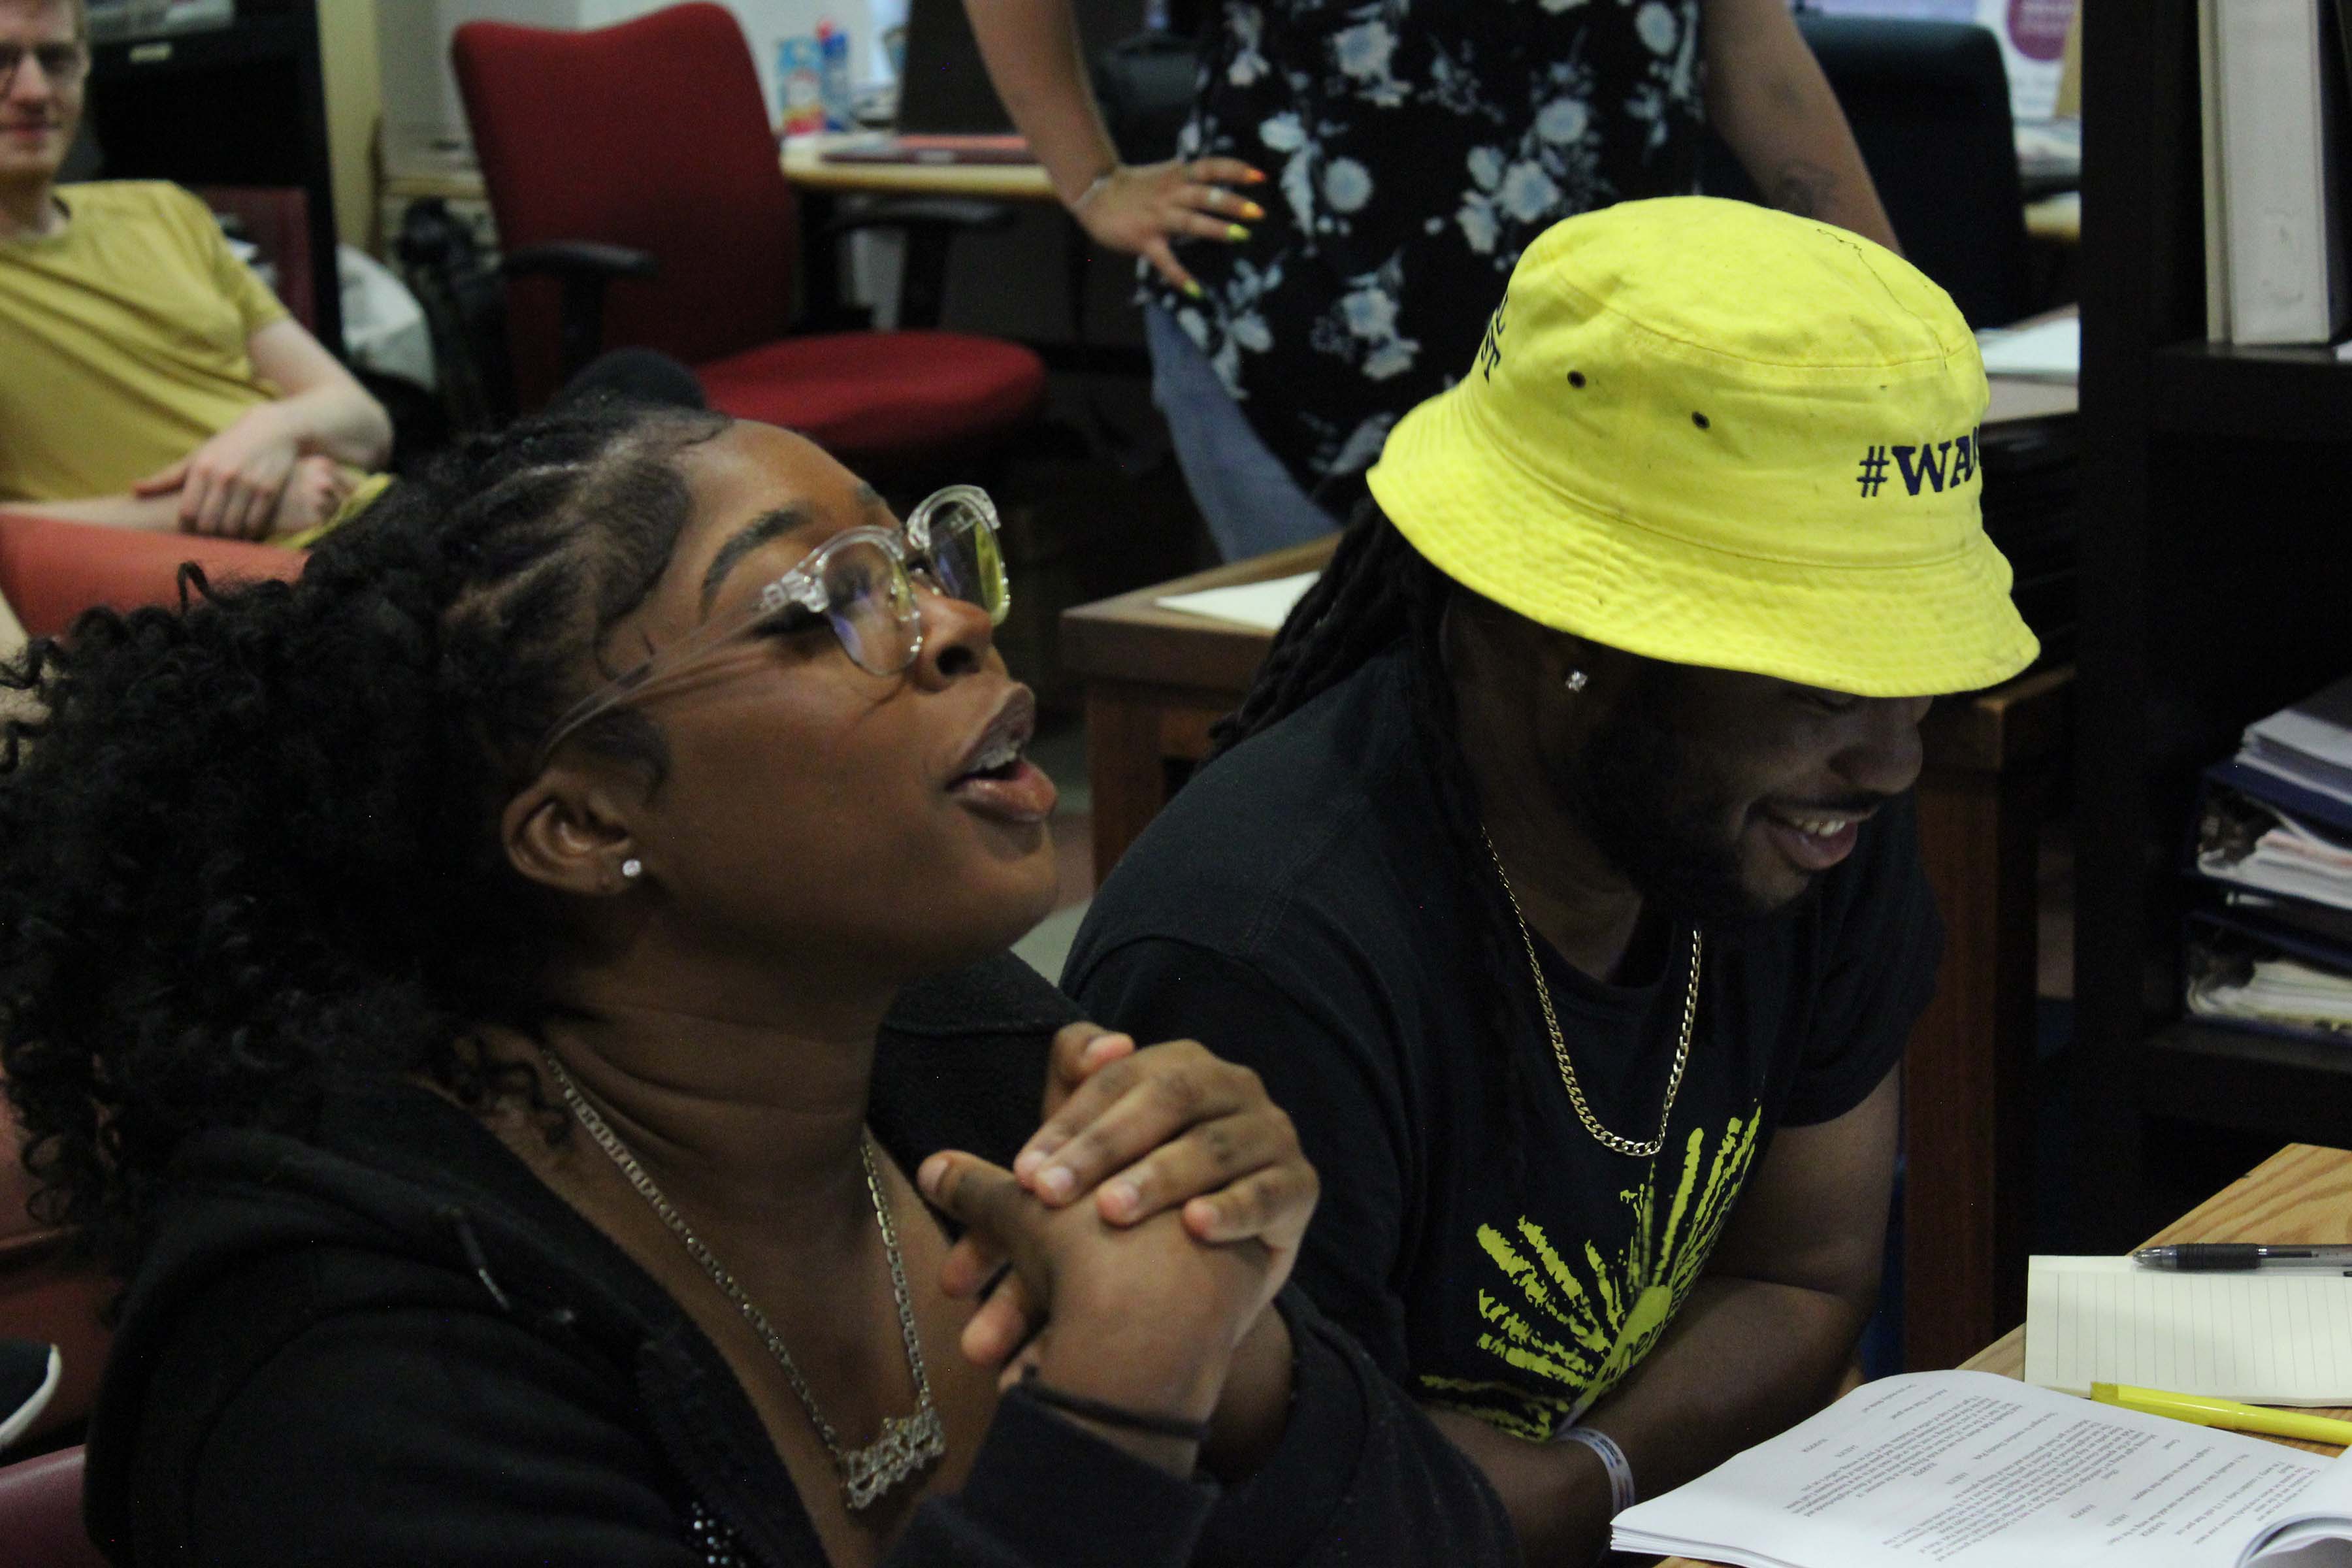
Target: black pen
x=2189 y=1257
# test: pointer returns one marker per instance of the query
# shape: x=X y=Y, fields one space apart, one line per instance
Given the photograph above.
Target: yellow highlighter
x=2205 y=1412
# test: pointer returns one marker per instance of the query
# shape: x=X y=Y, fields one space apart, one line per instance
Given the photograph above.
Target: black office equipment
x=1929 y=102
x=944 y=90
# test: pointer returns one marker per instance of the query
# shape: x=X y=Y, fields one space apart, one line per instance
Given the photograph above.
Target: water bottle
x=832 y=76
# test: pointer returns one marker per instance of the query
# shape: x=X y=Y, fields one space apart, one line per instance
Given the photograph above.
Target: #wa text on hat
x=1710 y=432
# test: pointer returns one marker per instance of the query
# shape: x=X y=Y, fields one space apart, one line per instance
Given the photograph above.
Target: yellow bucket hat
x=1706 y=432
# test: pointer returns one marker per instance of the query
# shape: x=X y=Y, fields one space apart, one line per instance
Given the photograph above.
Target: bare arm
x=1031 y=48
x=1760 y=1343
x=236 y=483
x=328 y=412
x=1767 y=96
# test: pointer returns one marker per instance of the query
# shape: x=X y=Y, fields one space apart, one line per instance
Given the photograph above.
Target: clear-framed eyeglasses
x=861 y=583
x=63 y=65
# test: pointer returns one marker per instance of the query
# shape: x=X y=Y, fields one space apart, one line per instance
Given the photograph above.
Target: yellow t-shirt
x=123 y=341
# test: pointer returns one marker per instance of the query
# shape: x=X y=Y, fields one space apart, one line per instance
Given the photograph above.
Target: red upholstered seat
x=51 y=570
x=40 y=1514
x=653 y=134
x=878 y=392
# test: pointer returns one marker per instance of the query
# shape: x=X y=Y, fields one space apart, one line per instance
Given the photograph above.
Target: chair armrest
x=936 y=213
x=51 y=569
x=928 y=224
x=565 y=258
x=584 y=266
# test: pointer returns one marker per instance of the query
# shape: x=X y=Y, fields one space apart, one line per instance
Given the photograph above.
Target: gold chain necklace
x=1608 y=1140
x=908 y=1443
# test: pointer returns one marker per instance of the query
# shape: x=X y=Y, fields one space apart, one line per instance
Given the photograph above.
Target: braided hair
x=1378 y=591
x=247 y=844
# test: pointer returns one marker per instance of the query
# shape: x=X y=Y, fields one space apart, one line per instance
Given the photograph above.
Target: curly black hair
x=248 y=844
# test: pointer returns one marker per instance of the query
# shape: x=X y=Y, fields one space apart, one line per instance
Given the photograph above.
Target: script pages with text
x=1970 y=1468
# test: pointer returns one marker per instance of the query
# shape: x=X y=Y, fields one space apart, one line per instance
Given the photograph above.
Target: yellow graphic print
x=1553 y=1324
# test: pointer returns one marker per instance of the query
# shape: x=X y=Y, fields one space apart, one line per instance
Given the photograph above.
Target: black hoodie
x=390 y=1343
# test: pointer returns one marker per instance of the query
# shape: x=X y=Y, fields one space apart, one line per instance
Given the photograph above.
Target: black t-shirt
x=1301 y=908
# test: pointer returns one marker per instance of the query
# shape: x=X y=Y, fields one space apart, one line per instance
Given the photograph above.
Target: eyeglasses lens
x=965 y=558
x=871 y=606
x=64 y=64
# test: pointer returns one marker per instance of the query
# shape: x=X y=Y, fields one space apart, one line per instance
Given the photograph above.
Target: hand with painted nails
x=1140 y=1317
x=1145 y=1132
x=1141 y=209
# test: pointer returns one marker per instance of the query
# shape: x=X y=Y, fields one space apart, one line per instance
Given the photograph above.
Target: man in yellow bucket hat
x=1559 y=874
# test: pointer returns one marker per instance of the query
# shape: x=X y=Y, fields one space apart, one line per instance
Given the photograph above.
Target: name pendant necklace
x=909 y=1443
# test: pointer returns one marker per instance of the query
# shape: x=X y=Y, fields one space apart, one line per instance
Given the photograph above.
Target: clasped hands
x=1133 y=1251
x=252 y=480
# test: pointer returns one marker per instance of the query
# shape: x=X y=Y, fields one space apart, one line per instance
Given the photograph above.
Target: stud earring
x=632 y=869
x=1575 y=681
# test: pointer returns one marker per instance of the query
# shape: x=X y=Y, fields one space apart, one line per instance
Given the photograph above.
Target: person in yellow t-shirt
x=153 y=380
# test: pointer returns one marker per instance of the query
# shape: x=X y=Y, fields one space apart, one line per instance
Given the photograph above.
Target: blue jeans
x=1248 y=498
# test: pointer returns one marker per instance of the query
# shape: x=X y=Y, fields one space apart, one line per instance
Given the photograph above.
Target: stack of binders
x=2272 y=949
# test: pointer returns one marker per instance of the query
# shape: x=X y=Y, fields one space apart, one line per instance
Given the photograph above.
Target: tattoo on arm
x=1803 y=188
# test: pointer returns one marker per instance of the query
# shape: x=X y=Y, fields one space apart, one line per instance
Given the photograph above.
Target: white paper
x=2264 y=1336
x=1262 y=605
x=1970 y=1469
x=2051 y=351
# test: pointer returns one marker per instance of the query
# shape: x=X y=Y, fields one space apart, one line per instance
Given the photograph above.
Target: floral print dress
x=1416 y=147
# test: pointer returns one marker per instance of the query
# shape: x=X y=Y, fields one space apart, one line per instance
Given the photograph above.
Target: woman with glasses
x=515 y=1003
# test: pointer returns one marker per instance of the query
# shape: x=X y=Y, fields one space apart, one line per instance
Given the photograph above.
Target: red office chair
x=52 y=570
x=640 y=156
x=40 y=1513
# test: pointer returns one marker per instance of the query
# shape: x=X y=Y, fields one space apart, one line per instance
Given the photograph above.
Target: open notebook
x=2266 y=1336
x=1970 y=1468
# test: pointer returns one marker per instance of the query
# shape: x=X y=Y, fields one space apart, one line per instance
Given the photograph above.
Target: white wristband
x=1621 y=1495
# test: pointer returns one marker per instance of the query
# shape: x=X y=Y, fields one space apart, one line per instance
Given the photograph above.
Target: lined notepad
x=2265 y=1336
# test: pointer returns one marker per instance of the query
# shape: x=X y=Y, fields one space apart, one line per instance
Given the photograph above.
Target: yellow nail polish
x=1252 y=211
x=1192 y=287
x=1237 y=233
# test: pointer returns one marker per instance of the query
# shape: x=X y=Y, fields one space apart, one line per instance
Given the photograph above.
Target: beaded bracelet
x=1116 y=1415
x=1621 y=1495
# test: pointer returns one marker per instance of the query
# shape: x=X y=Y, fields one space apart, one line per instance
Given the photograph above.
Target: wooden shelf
x=2263 y=394
x=2260 y=1083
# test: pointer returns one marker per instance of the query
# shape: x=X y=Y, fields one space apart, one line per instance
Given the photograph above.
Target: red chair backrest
x=654 y=135
x=40 y=1514
x=51 y=570
x=276 y=218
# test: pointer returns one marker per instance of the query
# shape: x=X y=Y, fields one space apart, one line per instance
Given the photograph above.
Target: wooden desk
x=2303 y=1192
x=1156 y=679
x=805 y=167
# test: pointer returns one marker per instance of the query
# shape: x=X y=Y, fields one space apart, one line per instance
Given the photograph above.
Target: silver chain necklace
x=908 y=1443
x=1617 y=1142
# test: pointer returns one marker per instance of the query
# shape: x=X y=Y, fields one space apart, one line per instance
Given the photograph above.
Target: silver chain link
x=908 y=1443
x=1608 y=1140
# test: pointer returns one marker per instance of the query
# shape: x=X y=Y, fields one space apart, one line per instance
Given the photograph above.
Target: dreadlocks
x=247 y=843
x=1377 y=590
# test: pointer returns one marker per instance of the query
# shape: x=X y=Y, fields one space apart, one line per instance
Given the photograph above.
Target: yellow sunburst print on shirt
x=1580 y=1329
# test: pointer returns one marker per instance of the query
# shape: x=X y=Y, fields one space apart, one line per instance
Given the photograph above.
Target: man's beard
x=1652 y=810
